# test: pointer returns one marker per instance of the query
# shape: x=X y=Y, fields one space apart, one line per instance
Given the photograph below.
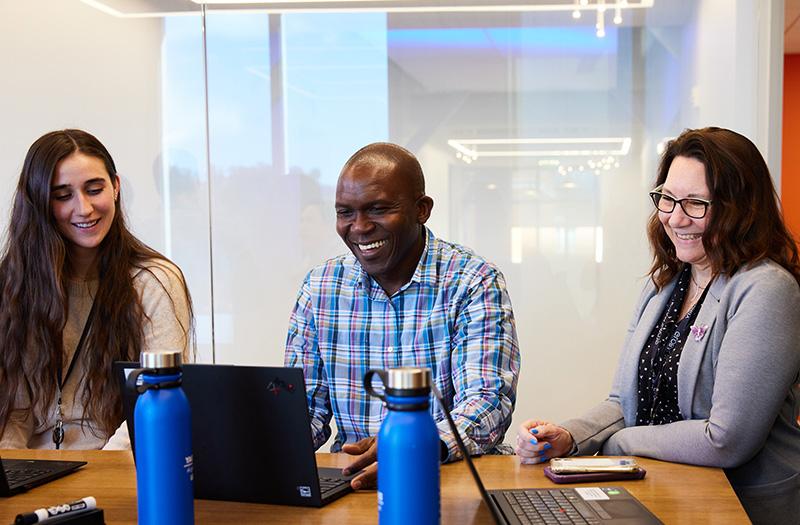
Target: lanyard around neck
x=86 y=326
x=58 y=431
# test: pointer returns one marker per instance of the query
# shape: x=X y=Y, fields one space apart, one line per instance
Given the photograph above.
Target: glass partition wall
x=538 y=128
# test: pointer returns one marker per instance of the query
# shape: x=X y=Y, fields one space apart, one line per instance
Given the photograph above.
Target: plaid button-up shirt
x=454 y=316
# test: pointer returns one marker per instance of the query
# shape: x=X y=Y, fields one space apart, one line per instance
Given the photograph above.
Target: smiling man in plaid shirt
x=402 y=298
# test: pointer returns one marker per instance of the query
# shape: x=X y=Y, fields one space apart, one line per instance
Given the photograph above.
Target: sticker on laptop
x=591 y=493
x=305 y=491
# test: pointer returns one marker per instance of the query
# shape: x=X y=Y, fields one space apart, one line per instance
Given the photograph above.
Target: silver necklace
x=699 y=289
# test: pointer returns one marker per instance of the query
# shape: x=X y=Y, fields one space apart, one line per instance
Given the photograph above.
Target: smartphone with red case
x=581 y=477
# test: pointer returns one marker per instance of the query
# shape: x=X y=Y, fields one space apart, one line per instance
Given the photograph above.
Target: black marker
x=45 y=515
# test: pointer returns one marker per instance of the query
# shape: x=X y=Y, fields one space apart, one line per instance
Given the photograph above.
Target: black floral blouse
x=658 y=362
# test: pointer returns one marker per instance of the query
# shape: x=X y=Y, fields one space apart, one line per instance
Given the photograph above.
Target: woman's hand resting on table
x=538 y=441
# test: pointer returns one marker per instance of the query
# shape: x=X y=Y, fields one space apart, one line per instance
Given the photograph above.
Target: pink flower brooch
x=698 y=331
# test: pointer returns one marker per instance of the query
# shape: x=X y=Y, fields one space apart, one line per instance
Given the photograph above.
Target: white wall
x=66 y=65
x=738 y=72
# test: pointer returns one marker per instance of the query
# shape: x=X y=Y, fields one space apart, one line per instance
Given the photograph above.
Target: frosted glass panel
x=184 y=167
x=538 y=138
x=336 y=89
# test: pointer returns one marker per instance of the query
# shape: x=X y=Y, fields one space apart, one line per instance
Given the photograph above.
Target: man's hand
x=367 y=452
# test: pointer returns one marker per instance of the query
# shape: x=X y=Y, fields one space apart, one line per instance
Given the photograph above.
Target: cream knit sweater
x=164 y=303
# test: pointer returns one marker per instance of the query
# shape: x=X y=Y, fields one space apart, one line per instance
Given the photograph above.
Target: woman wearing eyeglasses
x=708 y=366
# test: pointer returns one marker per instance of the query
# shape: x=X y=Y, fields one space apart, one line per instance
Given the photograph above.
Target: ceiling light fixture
x=601 y=24
x=474 y=149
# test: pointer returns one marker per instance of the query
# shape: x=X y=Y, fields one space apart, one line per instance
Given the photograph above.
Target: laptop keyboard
x=328 y=484
x=550 y=507
x=16 y=476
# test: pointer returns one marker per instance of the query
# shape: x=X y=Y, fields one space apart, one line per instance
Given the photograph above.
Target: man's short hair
x=390 y=156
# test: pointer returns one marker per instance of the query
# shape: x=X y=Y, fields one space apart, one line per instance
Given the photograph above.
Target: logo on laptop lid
x=277 y=385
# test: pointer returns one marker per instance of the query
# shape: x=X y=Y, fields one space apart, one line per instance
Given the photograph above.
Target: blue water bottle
x=408 y=448
x=163 y=442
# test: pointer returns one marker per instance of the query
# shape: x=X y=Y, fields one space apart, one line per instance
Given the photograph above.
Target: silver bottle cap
x=409 y=378
x=170 y=359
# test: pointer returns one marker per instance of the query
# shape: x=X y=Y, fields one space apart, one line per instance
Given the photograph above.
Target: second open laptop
x=582 y=505
x=251 y=435
x=19 y=475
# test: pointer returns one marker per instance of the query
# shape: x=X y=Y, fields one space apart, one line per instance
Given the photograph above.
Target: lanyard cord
x=58 y=431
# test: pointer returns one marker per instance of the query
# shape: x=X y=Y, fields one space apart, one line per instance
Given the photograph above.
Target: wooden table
x=675 y=493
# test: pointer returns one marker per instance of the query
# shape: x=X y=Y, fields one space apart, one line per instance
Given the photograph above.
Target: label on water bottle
x=380 y=500
x=188 y=466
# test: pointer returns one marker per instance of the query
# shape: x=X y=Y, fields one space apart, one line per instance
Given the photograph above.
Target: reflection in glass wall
x=183 y=166
x=246 y=182
x=538 y=133
x=538 y=137
x=526 y=122
x=336 y=88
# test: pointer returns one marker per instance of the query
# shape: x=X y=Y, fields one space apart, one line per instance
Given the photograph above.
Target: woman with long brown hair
x=77 y=292
x=711 y=357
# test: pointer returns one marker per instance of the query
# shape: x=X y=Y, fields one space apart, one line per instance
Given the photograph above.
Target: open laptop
x=251 y=435
x=19 y=475
x=585 y=505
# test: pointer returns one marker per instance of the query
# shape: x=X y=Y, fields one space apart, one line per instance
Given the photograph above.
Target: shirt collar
x=425 y=272
x=426 y=268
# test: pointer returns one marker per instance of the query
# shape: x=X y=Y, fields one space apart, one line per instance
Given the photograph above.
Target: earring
x=116 y=194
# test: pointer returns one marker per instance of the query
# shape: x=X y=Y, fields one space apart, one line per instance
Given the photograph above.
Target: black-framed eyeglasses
x=693 y=207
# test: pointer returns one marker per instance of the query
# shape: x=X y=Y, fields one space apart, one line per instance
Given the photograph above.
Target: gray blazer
x=735 y=392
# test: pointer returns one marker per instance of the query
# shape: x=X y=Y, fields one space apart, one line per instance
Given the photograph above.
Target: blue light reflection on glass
x=239 y=89
x=182 y=115
x=336 y=88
